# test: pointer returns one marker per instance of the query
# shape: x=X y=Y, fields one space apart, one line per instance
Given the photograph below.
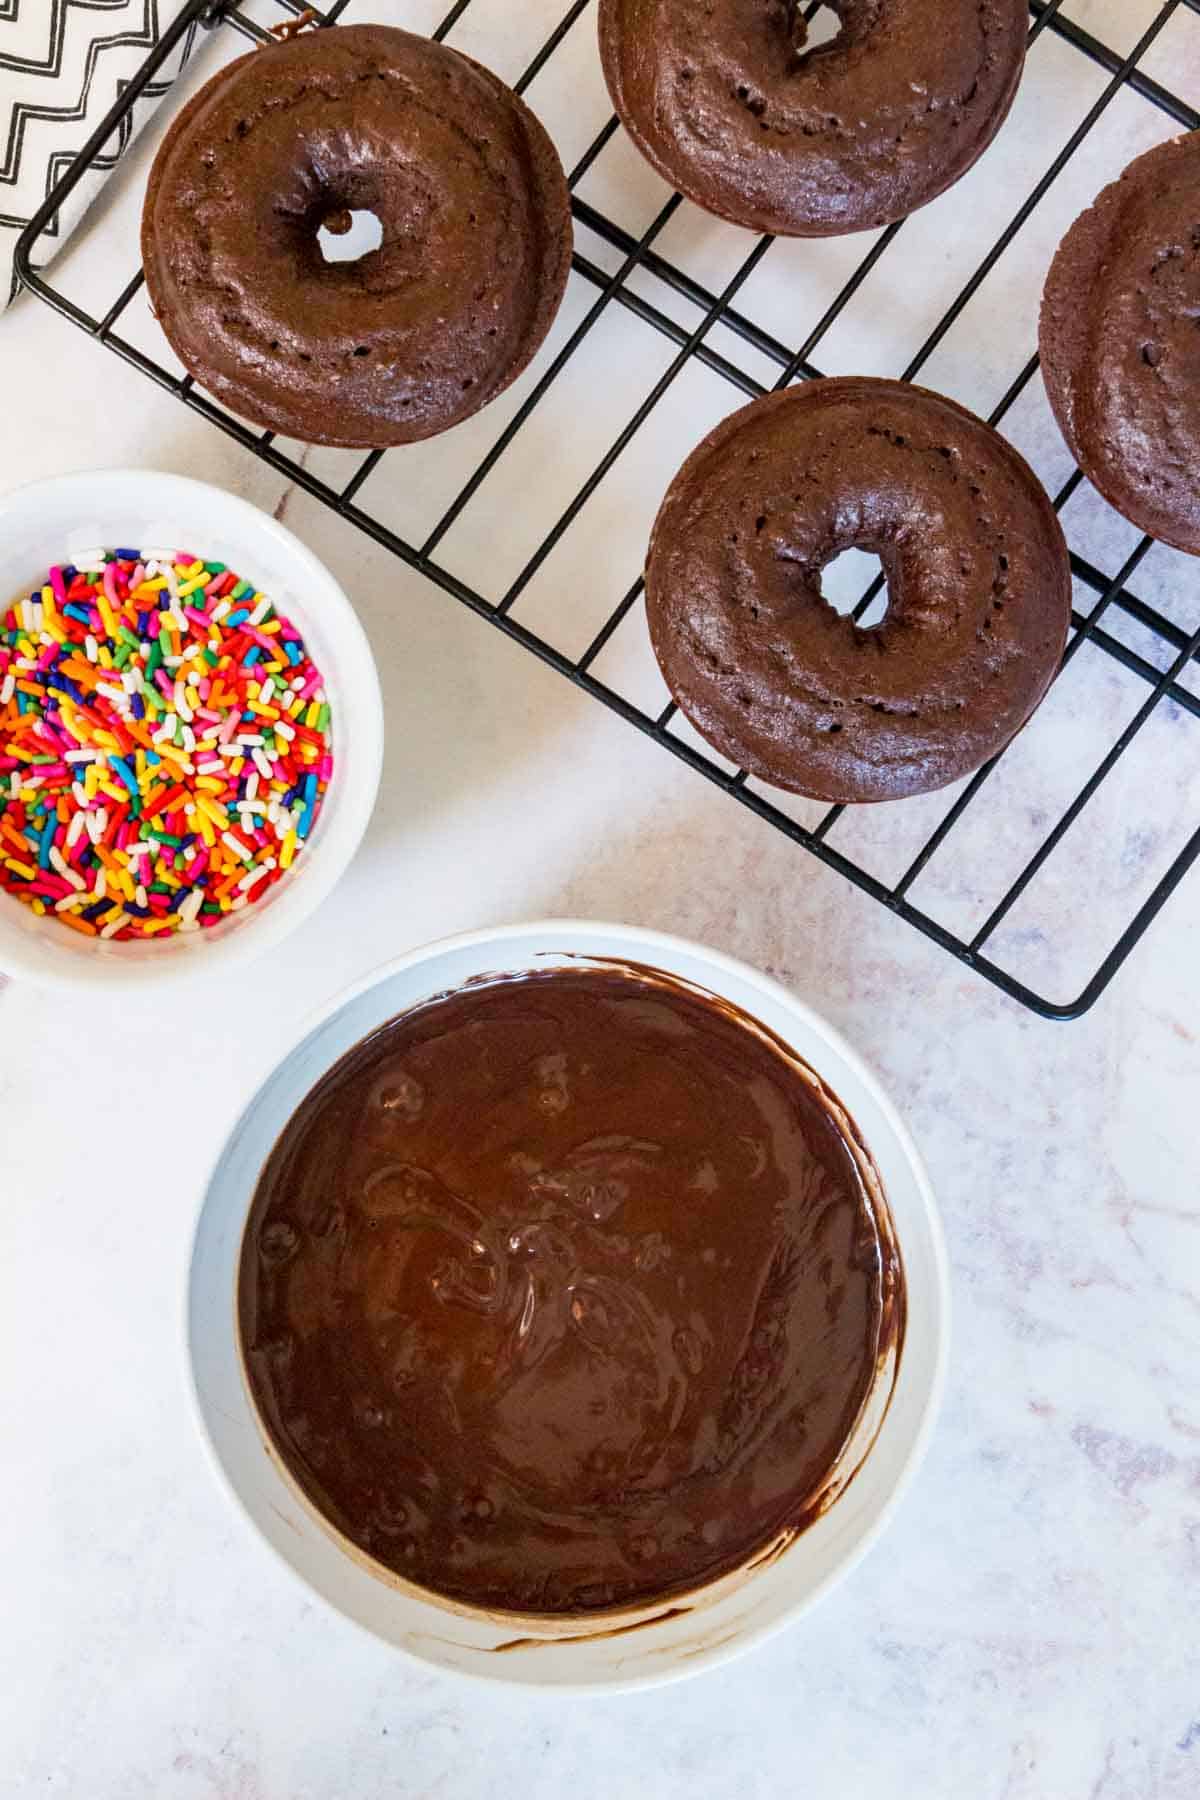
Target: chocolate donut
x=979 y=590
x=732 y=109
x=420 y=332
x=1120 y=342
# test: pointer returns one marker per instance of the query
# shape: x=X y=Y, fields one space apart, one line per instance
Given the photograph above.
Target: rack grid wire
x=1110 y=595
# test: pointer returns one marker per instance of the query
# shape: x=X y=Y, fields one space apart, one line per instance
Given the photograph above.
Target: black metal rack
x=1111 y=596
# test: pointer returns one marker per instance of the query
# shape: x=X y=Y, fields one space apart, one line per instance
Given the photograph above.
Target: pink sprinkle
x=229 y=728
x=110 y=585
x=58 y=585
x=204 y=689
x=164 y=684
x=325 y=768
x=124 y=832
x=46 y=658
x=197 y=618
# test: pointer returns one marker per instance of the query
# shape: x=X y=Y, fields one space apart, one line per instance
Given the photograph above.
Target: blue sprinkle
x=128 y=555
x=250 y=660
x=74 y=611
x=97 y=907
x=47 y=840
x=305 y=825
x=123 y=769
x=293 y=653
x=144 y=623
x=153 y=758
x=236 y=618
x=137 y=706
x=310 y=789
x=69 y=573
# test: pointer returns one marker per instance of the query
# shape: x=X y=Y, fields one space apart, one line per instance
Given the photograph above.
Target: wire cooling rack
x=707 y=327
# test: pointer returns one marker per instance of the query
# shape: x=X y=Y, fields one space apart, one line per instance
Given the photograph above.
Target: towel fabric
x=62 y=65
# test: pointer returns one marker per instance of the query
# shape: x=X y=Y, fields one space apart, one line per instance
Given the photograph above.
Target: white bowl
x=643 y=1645
x=41 y=525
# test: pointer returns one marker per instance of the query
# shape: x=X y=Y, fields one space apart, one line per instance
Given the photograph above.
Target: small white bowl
x=640 y=1646
x=42 y=524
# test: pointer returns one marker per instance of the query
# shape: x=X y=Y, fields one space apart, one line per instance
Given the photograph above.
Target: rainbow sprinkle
x=164 y=744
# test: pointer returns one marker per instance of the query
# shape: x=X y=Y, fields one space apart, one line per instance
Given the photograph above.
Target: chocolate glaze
x=564 y=1292
x=416 y=335
x=732 y=106
x=1120 y=342
x=979 y=589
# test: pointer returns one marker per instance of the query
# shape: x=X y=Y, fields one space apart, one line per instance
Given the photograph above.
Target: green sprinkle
x=153 y=663
x=162 y=837
x=164 y=643
x=216 y=568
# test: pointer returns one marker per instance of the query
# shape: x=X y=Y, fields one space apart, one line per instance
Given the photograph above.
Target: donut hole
x=814 y=29
x=346 y=234
x=846 y=581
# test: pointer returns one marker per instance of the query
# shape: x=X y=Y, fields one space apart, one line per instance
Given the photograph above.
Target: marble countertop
x=1027 y=1628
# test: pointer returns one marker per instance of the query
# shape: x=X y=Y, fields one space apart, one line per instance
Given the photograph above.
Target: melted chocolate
x=565 y=1291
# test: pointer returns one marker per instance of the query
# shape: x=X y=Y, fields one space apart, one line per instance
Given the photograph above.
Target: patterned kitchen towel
x=62 y=65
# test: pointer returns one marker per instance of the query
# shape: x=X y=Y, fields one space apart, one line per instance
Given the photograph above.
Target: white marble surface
x=1027 y=1629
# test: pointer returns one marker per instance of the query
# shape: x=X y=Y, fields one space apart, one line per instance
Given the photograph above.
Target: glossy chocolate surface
x=565 y=1291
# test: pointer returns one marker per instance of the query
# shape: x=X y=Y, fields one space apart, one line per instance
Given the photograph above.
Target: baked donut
x=979 y=590
x=729 y=105
x=1120 y=342
x=420 y=332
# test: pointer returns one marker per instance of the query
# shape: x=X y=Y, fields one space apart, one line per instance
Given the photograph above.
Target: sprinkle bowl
x=643 y=1645
x=54 y=521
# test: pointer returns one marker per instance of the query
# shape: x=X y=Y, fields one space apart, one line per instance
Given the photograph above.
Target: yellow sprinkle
x=105 y=655
x=236 y=766
x=91 y=780
x=269 y=629
x=105 y=611
x=28 y=796
x=313 y=715
x=19 y=868
x=211 y=810
x=114 y=912
x=167 y=923
x=290 y=843
x=39 y=907
x=209 y=784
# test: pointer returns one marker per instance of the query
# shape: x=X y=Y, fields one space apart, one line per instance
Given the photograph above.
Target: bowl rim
x=501 y=1673
x=352 y=807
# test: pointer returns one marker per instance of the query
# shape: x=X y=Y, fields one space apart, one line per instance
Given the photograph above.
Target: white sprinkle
x=101 y=888
x=255 y=876
x=61 y=866
x=86 y=561
x=232 y=843
x=112 y=693
x=260 y=612
x=139 y=895
x=95 y=828
x=82 y=756
x=266 y=691
x=14 y=785
x=7 y=687
x=220 y=609
x=115 y=925
x=89 y=648
x=261 y=763
x=246 y=740
x=67 y=902
x=285 y=731
x=166 y=729
x=173 y=662
x=252 y=786
x=237 y=905
x=75 y=829
x=189 y=739
x=190 y=908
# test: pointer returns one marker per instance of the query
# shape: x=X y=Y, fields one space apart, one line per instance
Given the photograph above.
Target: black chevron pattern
x=64 y=62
